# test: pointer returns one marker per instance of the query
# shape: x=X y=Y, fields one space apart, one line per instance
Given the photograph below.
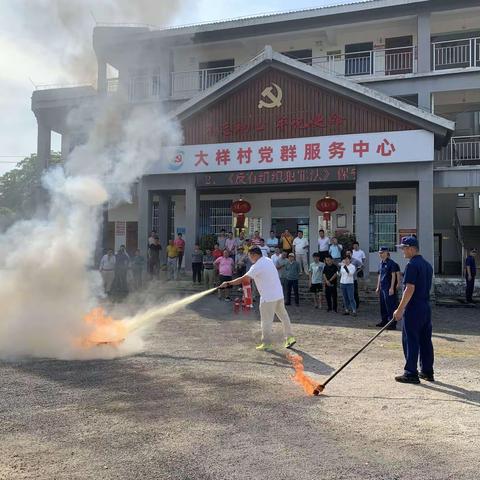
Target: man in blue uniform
x=470 y=273
x=386 y=287
x=415 y=310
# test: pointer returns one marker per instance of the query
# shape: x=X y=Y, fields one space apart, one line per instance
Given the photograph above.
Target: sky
x=33 y=53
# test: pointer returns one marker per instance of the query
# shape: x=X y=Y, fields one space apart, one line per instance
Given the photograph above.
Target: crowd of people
x=332 y=269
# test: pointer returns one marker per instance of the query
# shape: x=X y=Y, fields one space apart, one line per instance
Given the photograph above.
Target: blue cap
x=383 y=249
x=408 y=242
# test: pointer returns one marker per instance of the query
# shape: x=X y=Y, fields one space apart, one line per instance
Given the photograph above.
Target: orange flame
x=105 y=330
x=309 y=385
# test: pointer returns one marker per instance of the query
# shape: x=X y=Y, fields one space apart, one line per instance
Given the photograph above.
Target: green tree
x=19 y=186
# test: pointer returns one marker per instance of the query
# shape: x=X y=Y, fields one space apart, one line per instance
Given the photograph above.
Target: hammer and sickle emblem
x=275 y=99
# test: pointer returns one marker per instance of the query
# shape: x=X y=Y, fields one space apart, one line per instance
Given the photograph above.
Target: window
x=157 y=224
x=383 y=222
x=304 y=56
x=155 y=215
x=214 y=71
x=215 y=215
x=358 y=58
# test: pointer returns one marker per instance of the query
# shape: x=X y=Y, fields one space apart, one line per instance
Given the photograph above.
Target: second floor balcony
x=376 y=63
x=463 y=53
x=384 y=62
x=461 y=151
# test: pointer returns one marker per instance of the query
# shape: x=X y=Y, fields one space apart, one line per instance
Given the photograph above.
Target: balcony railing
x=461 y=151
x=190 y=82
x=381 y=62
x=463 y=53
x=449 y=54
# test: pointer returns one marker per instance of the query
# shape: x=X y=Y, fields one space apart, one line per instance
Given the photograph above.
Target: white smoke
x=61 y=30
x=48 y=282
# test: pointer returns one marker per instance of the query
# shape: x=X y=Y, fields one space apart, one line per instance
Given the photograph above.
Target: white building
x=402 y=76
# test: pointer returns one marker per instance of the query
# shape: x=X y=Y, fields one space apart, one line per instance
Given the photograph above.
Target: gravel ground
x=201 y=403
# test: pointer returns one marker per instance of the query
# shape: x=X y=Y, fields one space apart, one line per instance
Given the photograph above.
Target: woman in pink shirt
x=180 y=244
x=225 y=265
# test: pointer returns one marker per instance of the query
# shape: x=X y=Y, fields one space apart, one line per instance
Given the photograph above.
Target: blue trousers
x=348 y=297
x=388 y=304
x=292 y=284
x=469 y=288
x=417 y=339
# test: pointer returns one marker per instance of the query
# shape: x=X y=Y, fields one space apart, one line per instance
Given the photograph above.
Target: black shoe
x=427 y=377
x=346 y=313
x=407 y=379
x=381 y=324
x=392 y=326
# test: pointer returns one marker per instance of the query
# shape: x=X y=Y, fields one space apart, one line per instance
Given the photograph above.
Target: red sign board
x=278 y=177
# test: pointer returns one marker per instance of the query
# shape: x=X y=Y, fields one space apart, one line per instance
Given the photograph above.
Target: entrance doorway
x=279 y=225
x=292 y=214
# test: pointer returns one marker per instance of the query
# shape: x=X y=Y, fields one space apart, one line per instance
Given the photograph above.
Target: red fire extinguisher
x=247 y=293
x=236 y=305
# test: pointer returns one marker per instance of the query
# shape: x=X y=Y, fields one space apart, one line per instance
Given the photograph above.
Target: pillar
x=425 y=215
x=362 y=215
x=425 y=100
x=44 y=146
x=163 y=199
x=424 y=43
x=102 y=76
x=192 y=211
x=144 y=219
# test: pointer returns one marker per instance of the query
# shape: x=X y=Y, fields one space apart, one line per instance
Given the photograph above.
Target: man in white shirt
x=300 y=249
x=151 y=238
x=265 y=250
x=107 y=270
x=276 y=256
x=357 y=253
x=266 y=278
x=323 y=245
x=272 y=242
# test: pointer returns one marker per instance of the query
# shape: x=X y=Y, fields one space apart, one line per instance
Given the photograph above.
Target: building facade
x=376 y=104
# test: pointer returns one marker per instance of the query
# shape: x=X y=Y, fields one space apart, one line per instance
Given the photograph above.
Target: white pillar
x=44 y=146
x=143 y=216
x=102 y=76
x=362 y=214
x=425 y=100
x=424 y=43
x=192 y=211
x=425 y=216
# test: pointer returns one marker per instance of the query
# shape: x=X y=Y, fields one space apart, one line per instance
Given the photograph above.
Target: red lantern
x=327 y=205
x=240 y=208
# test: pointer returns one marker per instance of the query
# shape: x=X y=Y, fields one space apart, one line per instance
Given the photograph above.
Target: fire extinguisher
x=247 y=293
x=236 y=305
